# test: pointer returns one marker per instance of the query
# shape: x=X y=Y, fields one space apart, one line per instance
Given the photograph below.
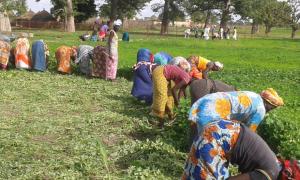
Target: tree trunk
x=4 y=23
x=70 y=17
x=113 y=12
x=254 y=28
x=208 y=17
x=268 y=29
x=293 y=32
x=165 y=20
x=225 y=14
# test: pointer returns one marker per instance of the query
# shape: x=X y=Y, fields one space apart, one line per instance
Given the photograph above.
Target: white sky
x=45 y=4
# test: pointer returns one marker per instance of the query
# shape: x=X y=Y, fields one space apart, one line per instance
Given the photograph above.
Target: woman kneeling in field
x=225 y=141
x=201 y=66
x=244 y=106
x=164 y=94
x=84 y=59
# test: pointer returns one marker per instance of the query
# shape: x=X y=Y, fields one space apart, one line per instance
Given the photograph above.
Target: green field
x=66 y=126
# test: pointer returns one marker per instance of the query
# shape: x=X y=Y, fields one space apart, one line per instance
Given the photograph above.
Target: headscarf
x=144 y=55
x=117 y=22
x=272 y=97
x=182 y=63
x=162 y=58
x=219 y=65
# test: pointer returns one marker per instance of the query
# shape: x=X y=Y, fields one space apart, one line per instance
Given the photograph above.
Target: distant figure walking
x=206 y=33
x=228 y=33
x=234 y=36
x=187 y=33
x=221 y=33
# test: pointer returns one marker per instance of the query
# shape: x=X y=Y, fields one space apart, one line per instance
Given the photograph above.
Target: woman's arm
x=209 y=66
x=175 y=89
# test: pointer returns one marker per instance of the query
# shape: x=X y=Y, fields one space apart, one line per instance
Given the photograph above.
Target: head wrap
x=117 y=22
x=219 y=65
x=145 y=55
x=272 y=97
x=182 y=63
x=162 y=58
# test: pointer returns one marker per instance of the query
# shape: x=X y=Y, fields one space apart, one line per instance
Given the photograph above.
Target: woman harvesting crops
x=244 y=106
x=201 y=66
x=84 y=58
x=225 y=141
x=202 y=87
x=164 y=93
x=63 y=56
x=142 y=83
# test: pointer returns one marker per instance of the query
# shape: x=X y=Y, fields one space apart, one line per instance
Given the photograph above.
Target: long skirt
x=4 y=54
x=63 y=57
x=104 y=65
x=142 y=84
x=39 y=61
x=22 y=58
x=210 y=150
x=163 y=101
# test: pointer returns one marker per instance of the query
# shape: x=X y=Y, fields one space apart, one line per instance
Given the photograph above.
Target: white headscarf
x=219 y=65
x=117 y=22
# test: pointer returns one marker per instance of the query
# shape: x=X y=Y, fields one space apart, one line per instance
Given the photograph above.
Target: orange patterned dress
x=4 y=54
x=63 y=56
x=22 y=58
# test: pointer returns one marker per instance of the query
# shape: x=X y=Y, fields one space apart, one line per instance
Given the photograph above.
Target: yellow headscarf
x=272 y=97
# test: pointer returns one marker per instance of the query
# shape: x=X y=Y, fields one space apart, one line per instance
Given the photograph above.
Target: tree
x=250 y=9
x=117 y=9
x=10 y=8
x=171 y=10
x=274 y=13
x=204 y=7
x=226 y=11
x=295 y=16
x=69 y=10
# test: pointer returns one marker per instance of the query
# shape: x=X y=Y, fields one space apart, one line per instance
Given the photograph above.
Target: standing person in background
x=228 y=33
x=206 y=33
x=112 y=44
x=187 y=33
x=221 y=33
x=103 y=30
x=234 y=36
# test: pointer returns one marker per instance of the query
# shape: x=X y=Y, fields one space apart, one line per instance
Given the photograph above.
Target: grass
x=68 y=127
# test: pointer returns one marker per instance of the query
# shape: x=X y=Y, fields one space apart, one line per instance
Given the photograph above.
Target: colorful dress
x=84 y=57
x=4 y=54
x=208 y=157
x=40 y=55
x=63 y=56
x=22 y=58
x=101 y=60
x=112 y=66
x=142 y=79
x=163 y=78
x=198 y=65
x=247 y=107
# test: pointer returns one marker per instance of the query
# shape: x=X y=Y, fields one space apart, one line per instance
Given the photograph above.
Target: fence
x=150 y=27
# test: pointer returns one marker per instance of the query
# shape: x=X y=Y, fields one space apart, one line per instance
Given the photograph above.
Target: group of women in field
x=96 y=62
x=223 y=120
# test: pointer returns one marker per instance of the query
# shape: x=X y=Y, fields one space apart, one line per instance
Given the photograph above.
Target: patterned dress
x=63 y=56
x=112 y=66
x=247 y=107
x=22 y=59
x=84 y=57
x=209 y=154
x=4 y=54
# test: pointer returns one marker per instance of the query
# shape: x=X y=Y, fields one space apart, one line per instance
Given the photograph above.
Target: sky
x=45 y=4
